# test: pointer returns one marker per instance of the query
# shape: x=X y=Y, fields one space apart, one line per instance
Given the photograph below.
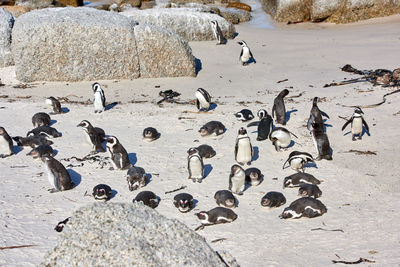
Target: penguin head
x=96 y=86
x=112 y=141
x=184 y=203
x=302 y=192
x=239 y=116
x=262 y=113
x=192 y=151
x=315 y=100
x=214 y=23
x=202 y=215
x=50 y=100
x=34 y=154
x=236 y=169
x=2 y=131
x=287 y=182
x=84 y=124
x=358 y=110
x=286 y=214
x=265 y=202
x=242 y=131
x=242 y=43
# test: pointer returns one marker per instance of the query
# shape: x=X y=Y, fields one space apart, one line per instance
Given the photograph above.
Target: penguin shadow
x=110 y=106
x=364 y=131
x=158 y=200
x=195 y=201
x=113 y=194
x=199 y=65
x=149 y=178
x=326 y=124
x=235 y=35
x=75 y=177
x=55 y=152
x=52 y=122
x=132 y=158
x=212 y=106
x=17 y=149
x=65 y=110
x=311 y=165
x=256 y=153
x=251 y=60
x=288 y=113
x=292 y=142
x=207 y=170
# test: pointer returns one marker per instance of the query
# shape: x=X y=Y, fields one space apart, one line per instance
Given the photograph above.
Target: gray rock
x=234 y=15
x=322 y=9
x=117 y=234
x=163 y=53
x=73 y=44
x=6 y=25
x=34 y=4
x=190 y=25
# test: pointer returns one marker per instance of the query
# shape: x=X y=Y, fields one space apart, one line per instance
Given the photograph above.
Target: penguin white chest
x=4 y=147
x=202 y=100
x=195 y=166
x=88 y=137
x=50 y=175
x=245 y=54
x=238 y=181
x=98 y=101
x=244 y=154
x=283 y=138
x=356 y=126
x=296 y=163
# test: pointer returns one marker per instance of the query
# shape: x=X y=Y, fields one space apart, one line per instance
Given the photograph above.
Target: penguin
x=195 y=165
x=150 y=134
x=304 y=207
x=297 y=179
x=148 y=198
x=253 y=176
x=216 y=216
x=316 y=115
x=280 y=138
x=278 y=109
x=32 y=141
x=184 y=202
x=218 y=33
x=205 y=151
x=44 y=131
x=245 y=54
x=203 y=99
x=58 y=176
x=99 y=98
x=309 y=190
x=225 y=198
x=119 y=156
x=264 y=126
x=102 y=192
x=237 y=180
x=55 y=105
x=41 y=119
x=136 y=178
x=297 y=160
x=357 y=121
x=60 y=226
x=244 y=115
x=212 y=127
x=273 y=199
x=94 y=135
x=321 y=142
x=243 y=149
x=6 y=144
x=41 y=151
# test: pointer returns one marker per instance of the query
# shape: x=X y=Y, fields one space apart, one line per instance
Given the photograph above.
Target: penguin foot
x=111 y=168
x=319 y=158
x=354 y=138
x=199 y=180
x=360 y=137
x=249 y=163
x=193 y=180
x=53 y=190
x=240 y=193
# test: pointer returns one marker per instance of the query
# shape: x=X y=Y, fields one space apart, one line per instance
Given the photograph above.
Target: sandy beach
x=360 y=191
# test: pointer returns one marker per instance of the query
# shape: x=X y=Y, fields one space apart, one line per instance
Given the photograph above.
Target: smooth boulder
x=6 y=25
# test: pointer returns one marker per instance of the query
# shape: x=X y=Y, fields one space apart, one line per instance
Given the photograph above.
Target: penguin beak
x=240 y=43
x=79 y=125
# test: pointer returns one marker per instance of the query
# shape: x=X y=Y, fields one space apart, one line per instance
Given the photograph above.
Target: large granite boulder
x=190 y=25
x=117 y=234
x=74 y=44
x=338 y=11
x=234 y=15
x=6 y=25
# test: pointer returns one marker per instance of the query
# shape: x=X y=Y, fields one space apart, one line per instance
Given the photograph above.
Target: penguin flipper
x=273 y=110
x=188 y=166
x=236 y=148
x=254 y=123
x=365 y=124
x=197 y=104
x=202 y=167
x=347 y=123
x=324 y=114
x=241 y=54
x=283 y=167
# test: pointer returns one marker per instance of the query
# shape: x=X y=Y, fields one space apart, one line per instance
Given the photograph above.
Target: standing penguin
x=55 y=104
x=264 y=125
x=57 y=174
x=245 y=54
x=195 y=165
x=278 y=109
x=119 y=156
x=203 y=99
x=237 y=179
x=218 y=33
x=99 y=98
x=243 y=149
x=94 y=135
x=321 y=142
x=316 y=115
x=357 y=121
x=6 y=144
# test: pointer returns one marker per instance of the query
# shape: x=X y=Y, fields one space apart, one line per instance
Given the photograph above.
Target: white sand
x=360 y=191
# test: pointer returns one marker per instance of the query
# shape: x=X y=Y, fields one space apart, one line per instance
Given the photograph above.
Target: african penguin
x=218 y=33
x=253 y=176
x=237 y=179
x=297 y=160
x=243 y=149
x=32 y=141
x=297 y=179
x=55 y=105
x=244 y=115
x=321 y=142
x=45 y=131
x=60 y=226
x=95 y=136
x=225 y=198
x=150 y=134
x=99 y=98
x=41 y=119
x=203 y=99
x=280 y=138
x=184 y=202
x=309 y=190
x=6 y=144
x=212 y=127
x=264 y=126
x=273 y=199
x=195 y=165
x=216 y=215
x=102 y=192
x=148 y=198
x=136 y=178
x=357 y=121
x=119 y=156
x=316 y=115
x=245 y=54
x=304 y=207
x=41 y=151
x=58 y=176
x=278 y=109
